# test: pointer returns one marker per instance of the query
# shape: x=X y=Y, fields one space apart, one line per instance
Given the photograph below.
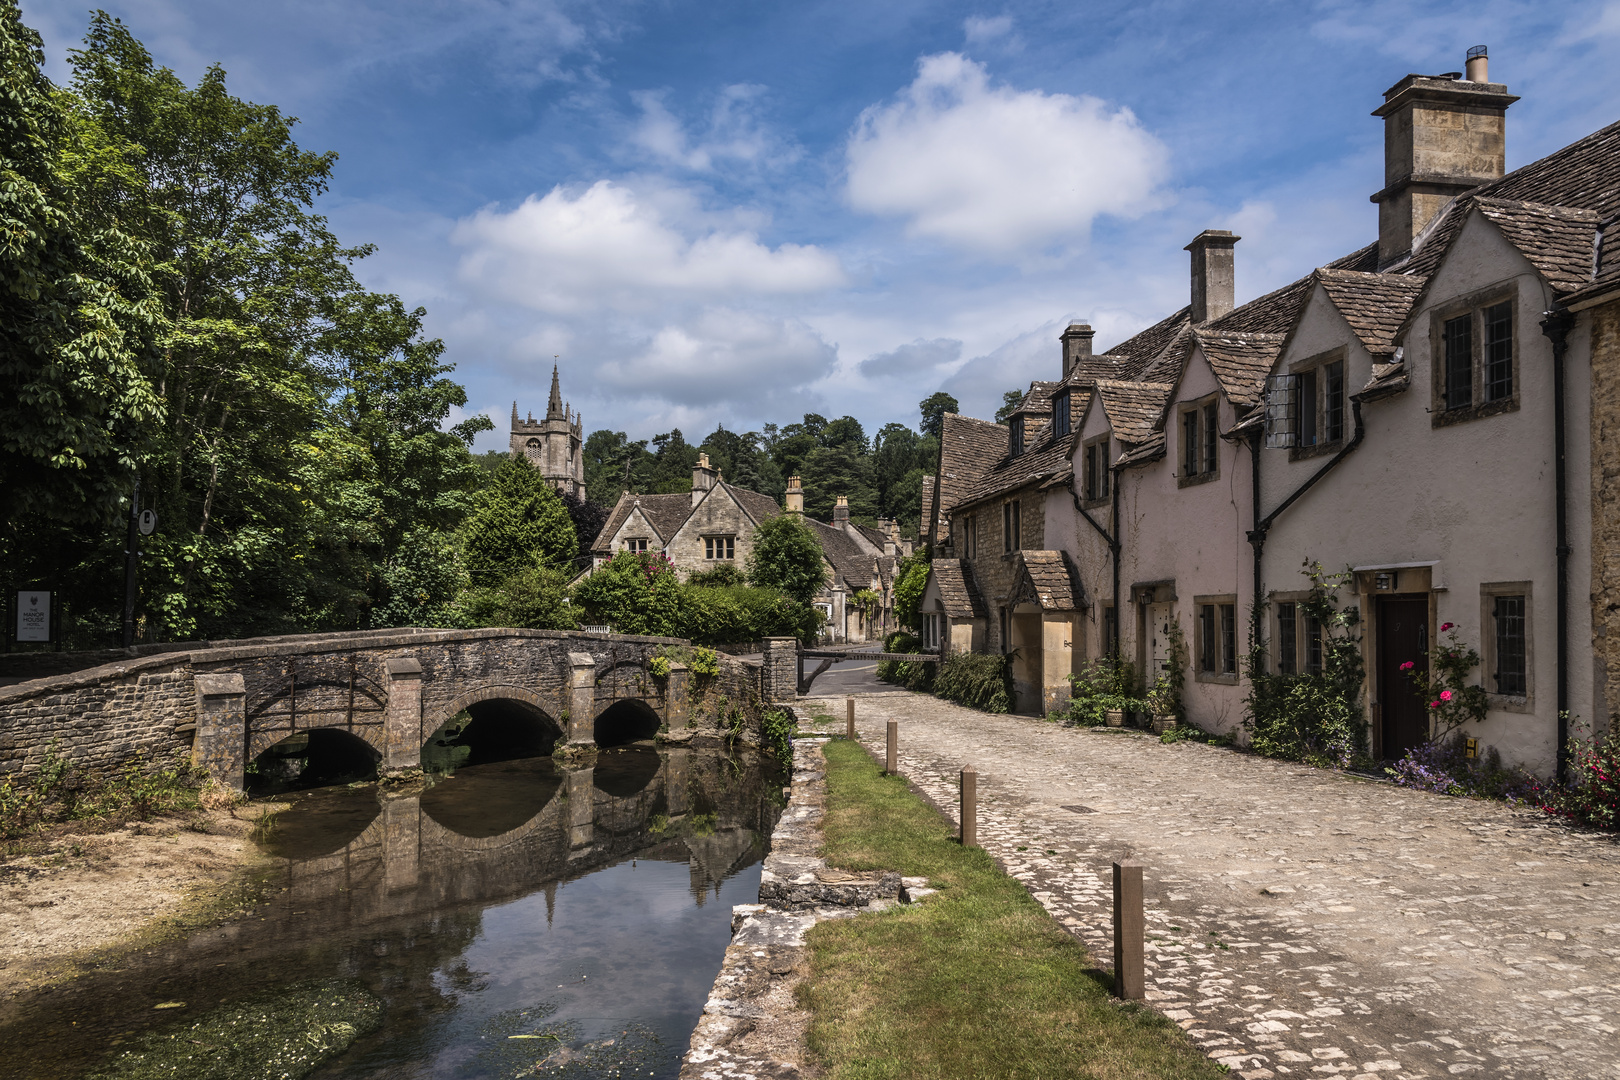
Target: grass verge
x=976 y=981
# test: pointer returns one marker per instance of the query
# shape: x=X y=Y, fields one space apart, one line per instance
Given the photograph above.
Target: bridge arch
x=503 y=721
x=626 y=720
x=312 y=757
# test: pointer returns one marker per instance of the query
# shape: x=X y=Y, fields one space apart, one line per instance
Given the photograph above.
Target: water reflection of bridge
x=497 y=831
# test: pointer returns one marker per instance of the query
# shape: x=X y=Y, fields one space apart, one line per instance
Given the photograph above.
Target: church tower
x=552 y=445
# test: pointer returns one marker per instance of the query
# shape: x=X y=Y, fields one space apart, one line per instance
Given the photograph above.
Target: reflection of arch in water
x=312 y=758
x=624 y=771
x=483 y=801
x=321 y=823
x=506 y=722
x=626 y=721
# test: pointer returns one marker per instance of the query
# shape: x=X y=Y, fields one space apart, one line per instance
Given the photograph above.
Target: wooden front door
x=1403 y=635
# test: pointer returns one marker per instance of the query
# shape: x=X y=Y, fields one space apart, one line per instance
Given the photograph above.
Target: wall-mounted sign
x=34 y=616
x=147 y=522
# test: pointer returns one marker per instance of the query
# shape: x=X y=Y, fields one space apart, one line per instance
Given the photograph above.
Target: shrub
x=658 y=667
x=977 y=680
x=536 y=598
x=1443 y=766
x=1312 y=716
x=912 y=676
x=910 y=580
x=787 y=556
x=776 y=729
x=633 y=592
x=518 y=522
x=720 y=615
x=1444 y=687
x=723 y=576
x=60 y=791
x=1592 y=797
x=1105 y=685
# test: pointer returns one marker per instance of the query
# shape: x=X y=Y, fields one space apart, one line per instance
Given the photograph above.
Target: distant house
x=1432 y=413
x=713 y=525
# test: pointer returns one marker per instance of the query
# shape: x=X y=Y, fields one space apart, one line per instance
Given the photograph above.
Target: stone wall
x=718 y=515
x=1606 y=501
x=995 y=571
x=144 y=709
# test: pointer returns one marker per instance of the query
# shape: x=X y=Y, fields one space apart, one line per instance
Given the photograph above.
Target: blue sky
x=740 y=212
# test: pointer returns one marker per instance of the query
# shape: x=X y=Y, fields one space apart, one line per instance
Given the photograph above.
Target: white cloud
x=724 y=355
x=733 y=132
x=995 y=169
x=604 y=248
x=912 y=359
x=979 y=30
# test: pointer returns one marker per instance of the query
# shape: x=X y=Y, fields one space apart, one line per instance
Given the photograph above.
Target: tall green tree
x=79 y=316
x=614 y=464
x=787 y=557
x=517 y=523
x=934 y=407
x=673 y=461
x=1009 y=404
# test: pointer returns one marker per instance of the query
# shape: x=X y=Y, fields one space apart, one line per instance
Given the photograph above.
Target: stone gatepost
x=677 y=698
x=402 y=733
x=580 y=787
x=781 y=669
x=581 y=699
x=220 y=746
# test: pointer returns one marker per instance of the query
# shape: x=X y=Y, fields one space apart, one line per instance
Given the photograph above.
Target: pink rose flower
x=1408 y=666
x=1446 y=626
x=1434 y=704
x=1445 y=695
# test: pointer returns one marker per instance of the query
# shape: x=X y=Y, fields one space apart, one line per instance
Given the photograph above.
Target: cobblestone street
x=1300 y=922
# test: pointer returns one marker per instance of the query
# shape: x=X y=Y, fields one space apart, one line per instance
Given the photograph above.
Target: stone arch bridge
x=227 y=702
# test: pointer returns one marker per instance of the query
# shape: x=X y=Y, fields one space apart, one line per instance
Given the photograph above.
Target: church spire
x=554 y=408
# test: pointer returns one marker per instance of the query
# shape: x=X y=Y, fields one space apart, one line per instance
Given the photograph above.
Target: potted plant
x=1162 y=704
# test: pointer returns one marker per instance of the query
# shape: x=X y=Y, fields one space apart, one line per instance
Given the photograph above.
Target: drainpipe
x=1262 y=525
x=1109 y=538
x=1556 y=326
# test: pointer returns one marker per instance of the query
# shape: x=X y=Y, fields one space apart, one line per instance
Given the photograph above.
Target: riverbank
x=79 y=898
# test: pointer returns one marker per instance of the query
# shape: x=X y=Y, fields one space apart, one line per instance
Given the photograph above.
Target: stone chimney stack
x=1076 y=345
x=1443 y=134
x=794 y=502
x=841 y=513
x=1214 y=274
x=703 y=478
x=891 y=537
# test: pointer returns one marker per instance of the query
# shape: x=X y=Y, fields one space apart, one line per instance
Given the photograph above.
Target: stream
x=514 y=919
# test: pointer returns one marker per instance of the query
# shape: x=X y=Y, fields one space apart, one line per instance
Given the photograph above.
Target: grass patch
x=974 y=982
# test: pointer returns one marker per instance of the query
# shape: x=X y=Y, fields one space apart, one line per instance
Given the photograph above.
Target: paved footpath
x=1300 y=922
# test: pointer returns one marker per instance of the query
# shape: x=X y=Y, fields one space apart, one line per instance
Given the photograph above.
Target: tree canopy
x=787 y=557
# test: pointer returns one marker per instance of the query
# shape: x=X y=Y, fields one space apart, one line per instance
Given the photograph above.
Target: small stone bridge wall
x=226 y=704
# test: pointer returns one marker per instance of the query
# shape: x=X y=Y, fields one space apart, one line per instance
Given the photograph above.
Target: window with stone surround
x=1320 y=404
x=1216 y=644
x=1094 y=469
x=1475 y=357
x=636 y=545
x=1200 y=441
x=1011 y=526
x=719 y=547
x=1061 y=419
x=1506 y=643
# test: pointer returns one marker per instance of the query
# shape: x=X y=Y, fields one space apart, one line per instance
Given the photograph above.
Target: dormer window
x=1060 y=414
x=1017 y=426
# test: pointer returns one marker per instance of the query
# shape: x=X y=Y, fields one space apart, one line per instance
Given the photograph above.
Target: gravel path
x=1300 y=922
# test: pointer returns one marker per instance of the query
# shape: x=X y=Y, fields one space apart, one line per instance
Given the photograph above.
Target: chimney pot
x=1214 y=274
x=793 y=503
x=1478 y=65
x=841 y=512
x=703 y=478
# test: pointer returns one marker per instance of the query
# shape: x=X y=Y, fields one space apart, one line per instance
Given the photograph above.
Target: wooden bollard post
x=970 y=807
x=890 y=760
x=849 y=707
x=1128 y=930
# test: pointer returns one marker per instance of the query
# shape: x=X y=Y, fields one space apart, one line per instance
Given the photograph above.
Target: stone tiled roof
x=1133 y=408
x=1582 y=175
x=1147 y=450
x=854 y=566
x=1050 y=579
x=1039 y=398
x=1608 y=270
x=1132 y=356
x=968 y=449
x=958 y=593
x=1012 y=473
x=666 y=513
x=760 y=507
x=1375 y=305
x=1556 y=239
x=1240 y=362
x=1386 y=379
